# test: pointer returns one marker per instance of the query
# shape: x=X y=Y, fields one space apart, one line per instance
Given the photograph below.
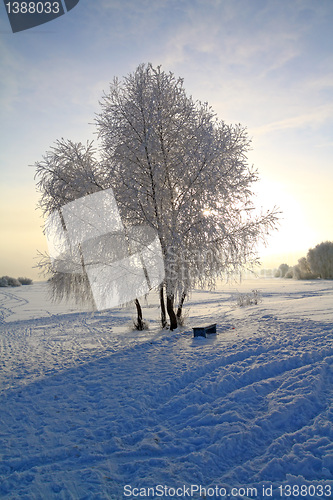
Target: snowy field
x=90 y=409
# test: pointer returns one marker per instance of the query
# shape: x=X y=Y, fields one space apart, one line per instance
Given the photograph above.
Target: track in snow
x=97 y=409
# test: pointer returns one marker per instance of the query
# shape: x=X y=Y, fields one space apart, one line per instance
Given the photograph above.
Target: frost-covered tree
x=9 y=281
x=174 y=166
x=290 y=273
x=69 y=171
x=282 y=271
x=25 y=281
x=320 y=259
x=302 y=270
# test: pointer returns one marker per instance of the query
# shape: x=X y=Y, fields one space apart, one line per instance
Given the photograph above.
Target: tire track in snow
x=8 y=301
x=161 y=430
x=272 y=375
x=132 y=441
x=32 y=349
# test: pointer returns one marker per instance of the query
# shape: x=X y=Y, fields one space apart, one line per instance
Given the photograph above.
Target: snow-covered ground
x=90 y=409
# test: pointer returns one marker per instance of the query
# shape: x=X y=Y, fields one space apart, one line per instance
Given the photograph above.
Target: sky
x=267 y=64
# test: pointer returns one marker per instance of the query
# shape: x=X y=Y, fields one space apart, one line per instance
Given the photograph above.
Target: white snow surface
x=90 y=409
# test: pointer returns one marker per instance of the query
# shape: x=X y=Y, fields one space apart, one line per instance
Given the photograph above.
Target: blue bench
x=201 y=331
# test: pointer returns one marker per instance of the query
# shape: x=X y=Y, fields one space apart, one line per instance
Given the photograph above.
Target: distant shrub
x=320 y=260
x=290 y=273
x=282 y=271
x=302 y=270
x=25 y=281
x=11 y=281
x=3 y=282
x=249 y=299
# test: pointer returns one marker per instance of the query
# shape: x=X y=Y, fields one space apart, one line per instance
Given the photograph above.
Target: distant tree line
x=317 y=264
x=9 y=281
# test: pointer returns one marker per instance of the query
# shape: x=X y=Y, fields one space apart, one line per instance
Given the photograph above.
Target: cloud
x=315 y=118
x=241 y=35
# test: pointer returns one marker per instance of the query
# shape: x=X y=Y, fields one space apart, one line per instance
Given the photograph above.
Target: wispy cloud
x=239 y=35
x=318 y=116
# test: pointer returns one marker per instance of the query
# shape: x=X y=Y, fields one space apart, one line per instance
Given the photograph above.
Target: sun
x=293 y=233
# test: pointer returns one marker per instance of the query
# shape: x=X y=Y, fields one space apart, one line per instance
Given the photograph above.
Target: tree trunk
x=163 y=312
x=180 y=306
x=139 y=322
x=171 y=312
